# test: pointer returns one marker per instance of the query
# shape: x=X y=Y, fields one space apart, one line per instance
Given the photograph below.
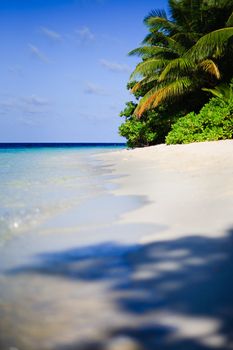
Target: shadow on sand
x=183 y=288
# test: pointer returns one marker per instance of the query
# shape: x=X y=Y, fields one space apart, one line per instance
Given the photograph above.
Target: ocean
x=62 y=245
x=38 y=181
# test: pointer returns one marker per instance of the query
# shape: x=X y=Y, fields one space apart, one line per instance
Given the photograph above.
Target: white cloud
x=94 y=89
x=114 y=66
x=50 y=34
x=85 y=34
x=8 y=105
x=34 y=100
x=37 y=53
x=24 y=105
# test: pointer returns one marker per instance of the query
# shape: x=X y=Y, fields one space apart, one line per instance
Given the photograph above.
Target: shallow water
x=38 y=183
x=57 y=201
x=73 y=276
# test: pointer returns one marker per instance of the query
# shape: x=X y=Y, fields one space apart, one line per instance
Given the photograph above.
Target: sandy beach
x=116 y=175
x=188 y=189
x=144 y=261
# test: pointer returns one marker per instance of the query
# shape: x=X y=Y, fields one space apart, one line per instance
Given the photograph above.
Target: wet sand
x=146 y=264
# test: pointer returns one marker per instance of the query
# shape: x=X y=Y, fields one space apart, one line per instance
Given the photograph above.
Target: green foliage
x=129 y=109
x=223 y=91
x=185 y=52
x=137 y=132
x=185 y=59
x=213 y=122
x=149 y=130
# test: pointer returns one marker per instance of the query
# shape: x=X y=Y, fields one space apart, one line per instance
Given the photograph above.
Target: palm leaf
x=151 y=51
x=213 y=92
x=163 y=93
x=145 y=102
x=191 y=37
x=155 y=13
x=177 y=88
x=175 y=45
x=176 y=67
x=210 y=67
x=211 y=44
x=174 y=89
x=154 y=38
x=144 y=82
x=163 y=24
x=223 y=91
x=148 y=67
x=229 y=22
x=179 y=14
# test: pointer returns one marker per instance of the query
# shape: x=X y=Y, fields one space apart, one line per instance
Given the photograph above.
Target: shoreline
x=144 y=264
x=188 y=189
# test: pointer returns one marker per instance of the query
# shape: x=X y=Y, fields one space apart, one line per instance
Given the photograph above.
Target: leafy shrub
x=138 y=133
x=150 y=129
x=213 y=122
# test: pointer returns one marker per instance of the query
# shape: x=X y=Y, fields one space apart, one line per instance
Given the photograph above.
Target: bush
x=137 y=132
x=213 y=122
x=150 y=129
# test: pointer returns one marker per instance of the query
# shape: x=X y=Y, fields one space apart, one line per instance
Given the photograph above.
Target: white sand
x=94 y=288
x=188 y=189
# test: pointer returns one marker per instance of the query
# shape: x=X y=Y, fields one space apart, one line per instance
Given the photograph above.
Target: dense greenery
x=184 y=59
x=214 y=122
x=150 y=129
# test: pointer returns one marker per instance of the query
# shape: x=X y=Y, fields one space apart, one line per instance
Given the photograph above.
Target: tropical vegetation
x=213 y=122
x=185 y=60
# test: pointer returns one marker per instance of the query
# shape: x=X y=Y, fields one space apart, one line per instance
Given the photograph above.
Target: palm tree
x=222 y=91
x=185 y=53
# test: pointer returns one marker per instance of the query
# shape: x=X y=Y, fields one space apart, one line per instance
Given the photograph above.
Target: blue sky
x=64 y=67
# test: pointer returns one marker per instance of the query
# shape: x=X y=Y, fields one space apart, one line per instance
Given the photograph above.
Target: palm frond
x=224 y=3
x=179 y=14
x=155 y=13
x=176 y=68
x=210 y=67
x=145 y=102
x=173 y=90
x=190 y=37
x=148 y=67
x=154 y=38
x=213 y=92
x=136 y=87
x=144 y=82
x=223 y=91
x=229 y=22
x=163 y=93
x=175 y=45
x=211 y=44
x=147 y=51
x=163 y=24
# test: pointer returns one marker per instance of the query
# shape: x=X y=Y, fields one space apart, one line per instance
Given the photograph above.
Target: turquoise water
x=37 y=183
x=73 y=275
x=62 y=246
